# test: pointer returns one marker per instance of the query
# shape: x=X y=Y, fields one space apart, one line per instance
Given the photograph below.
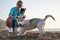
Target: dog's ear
x=25 y=9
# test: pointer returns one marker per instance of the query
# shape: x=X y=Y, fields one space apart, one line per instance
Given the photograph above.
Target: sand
x=4 y=35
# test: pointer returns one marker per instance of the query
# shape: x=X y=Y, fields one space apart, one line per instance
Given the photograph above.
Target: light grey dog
x=33 y=23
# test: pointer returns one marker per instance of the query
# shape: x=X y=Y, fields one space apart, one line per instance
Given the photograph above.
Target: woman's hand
x=24 y=16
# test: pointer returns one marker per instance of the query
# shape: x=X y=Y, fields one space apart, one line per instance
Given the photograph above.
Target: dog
x=31 y=24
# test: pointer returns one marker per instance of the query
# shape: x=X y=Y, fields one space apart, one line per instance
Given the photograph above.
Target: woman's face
x=20 y=5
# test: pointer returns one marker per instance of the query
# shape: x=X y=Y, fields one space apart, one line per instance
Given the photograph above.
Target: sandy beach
x=4 y=35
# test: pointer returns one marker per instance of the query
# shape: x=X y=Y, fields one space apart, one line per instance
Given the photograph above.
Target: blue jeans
x=14 y=22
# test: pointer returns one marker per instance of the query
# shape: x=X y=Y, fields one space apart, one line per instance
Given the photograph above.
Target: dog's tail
x=49 y=16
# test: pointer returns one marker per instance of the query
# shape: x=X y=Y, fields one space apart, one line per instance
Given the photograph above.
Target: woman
x=14 y=12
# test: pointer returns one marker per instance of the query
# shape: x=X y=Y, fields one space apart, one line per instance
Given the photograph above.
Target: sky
x=35 y=9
